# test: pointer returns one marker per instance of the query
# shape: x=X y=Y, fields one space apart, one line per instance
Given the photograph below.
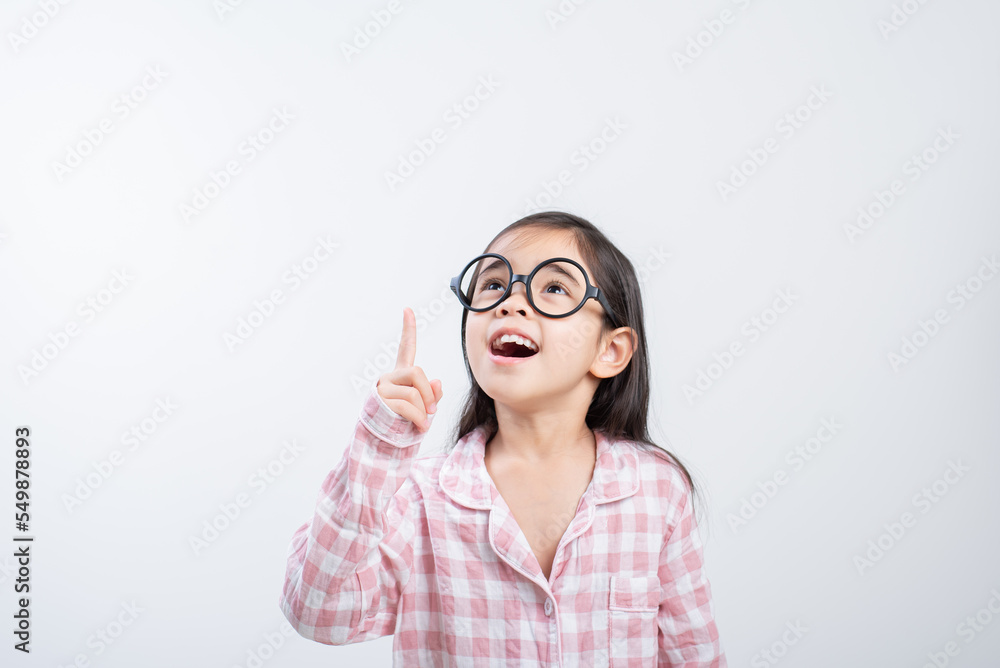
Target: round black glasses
x=556 y=288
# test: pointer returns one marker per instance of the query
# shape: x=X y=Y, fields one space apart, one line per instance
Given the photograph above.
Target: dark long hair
x=620 y=405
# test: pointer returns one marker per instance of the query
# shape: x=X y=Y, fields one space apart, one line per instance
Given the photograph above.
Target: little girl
x=553 y=532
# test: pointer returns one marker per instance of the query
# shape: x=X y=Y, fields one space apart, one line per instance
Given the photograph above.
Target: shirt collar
x=465 y=479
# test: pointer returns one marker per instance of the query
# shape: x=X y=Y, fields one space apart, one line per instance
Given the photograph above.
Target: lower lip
x=507 y=361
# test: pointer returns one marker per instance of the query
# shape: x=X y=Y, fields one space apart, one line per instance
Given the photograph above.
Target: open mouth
x=512 y=346
x=513 y=349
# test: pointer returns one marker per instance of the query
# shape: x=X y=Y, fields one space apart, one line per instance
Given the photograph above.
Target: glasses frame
x=592 y=292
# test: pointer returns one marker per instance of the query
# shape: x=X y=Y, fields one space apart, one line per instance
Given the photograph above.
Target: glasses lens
x=484 y=281
x=557 y=288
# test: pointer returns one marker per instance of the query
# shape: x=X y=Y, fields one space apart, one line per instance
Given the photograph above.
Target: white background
x=653 y=189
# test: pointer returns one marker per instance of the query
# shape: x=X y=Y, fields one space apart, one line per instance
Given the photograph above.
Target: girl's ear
x=617 y=353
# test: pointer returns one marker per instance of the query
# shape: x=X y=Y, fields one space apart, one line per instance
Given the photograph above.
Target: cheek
x=578 y=341
x=473 y=341
x=471 y=335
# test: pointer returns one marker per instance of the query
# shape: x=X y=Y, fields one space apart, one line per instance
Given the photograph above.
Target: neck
x=530 y=442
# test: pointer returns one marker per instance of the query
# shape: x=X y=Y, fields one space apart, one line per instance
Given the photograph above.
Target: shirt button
x=548 y=607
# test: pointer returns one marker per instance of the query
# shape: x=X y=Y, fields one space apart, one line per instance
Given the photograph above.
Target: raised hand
x=406 y=389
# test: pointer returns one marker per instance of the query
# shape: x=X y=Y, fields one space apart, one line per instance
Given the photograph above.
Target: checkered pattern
x=426 y=548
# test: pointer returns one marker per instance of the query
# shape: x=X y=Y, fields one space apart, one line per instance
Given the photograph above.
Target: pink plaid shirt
x=427 y=549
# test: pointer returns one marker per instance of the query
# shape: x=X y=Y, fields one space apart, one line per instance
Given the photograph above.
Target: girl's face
x=568 y=348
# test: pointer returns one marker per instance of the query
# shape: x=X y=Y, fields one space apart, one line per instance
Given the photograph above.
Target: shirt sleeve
x=688 y=636
x=347 y=567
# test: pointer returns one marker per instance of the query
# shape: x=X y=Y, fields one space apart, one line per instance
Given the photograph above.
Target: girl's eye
x=557 y=284
x=486 y=285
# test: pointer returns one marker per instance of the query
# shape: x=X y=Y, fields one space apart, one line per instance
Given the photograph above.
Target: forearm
x=349 y=562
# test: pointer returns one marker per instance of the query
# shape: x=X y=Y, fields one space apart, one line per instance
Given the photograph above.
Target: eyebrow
x=565 y=273
x=555 y=267
x=492 y=265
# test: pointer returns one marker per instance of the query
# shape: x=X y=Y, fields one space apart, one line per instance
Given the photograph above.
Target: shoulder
x=655 y=464
x=660 y=477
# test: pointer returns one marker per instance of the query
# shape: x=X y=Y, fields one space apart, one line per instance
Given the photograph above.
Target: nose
x=519 y=295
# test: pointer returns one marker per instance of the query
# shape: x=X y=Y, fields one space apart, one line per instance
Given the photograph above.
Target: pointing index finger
x=408 y=341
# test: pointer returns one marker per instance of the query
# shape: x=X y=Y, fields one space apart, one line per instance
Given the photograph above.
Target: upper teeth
x=508 y=338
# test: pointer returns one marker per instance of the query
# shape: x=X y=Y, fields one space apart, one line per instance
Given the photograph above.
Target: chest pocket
x=632 y=628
